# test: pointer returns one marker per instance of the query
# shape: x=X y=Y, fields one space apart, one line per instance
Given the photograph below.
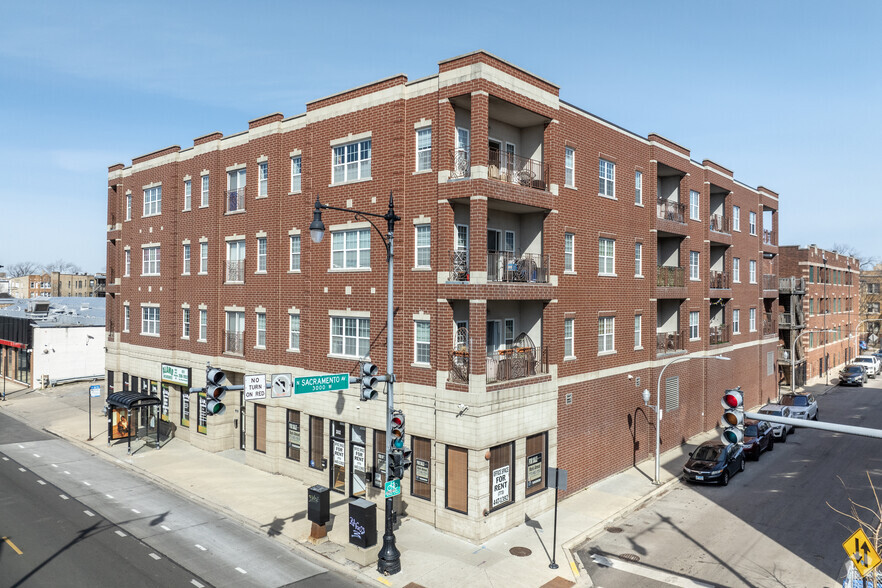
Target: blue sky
x=786 y=94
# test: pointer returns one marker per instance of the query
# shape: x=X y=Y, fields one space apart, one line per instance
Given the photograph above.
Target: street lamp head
x=317 y=227
x=723 y=357
x=645 y=396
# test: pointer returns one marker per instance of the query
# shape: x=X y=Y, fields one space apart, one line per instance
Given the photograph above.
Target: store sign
x=294 y=435
x=173 y=374
x=165 y=402
x=534 y=470
x=202 y=423
x=421 y=470
x=358 y=458
x=500 y=486
x=339 y=453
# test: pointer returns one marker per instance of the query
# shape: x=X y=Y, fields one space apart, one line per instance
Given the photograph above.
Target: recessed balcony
x=670 y=342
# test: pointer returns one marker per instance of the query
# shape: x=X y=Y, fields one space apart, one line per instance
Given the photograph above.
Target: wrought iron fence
x=234 y=342
x=669 y=342
x=505 y=266
x=514 y=364
x=459 y=265
x=459 y=367
x=670 y=277
x=515 y=169
x=461 y=166
x=671 y=210
x=719 y=223
x=236 y=271
x=236 y=199
x=770 y=282
x=718 y=334
x=719 y=280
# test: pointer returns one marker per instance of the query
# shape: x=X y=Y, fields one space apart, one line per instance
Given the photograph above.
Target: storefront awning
x=132 y=400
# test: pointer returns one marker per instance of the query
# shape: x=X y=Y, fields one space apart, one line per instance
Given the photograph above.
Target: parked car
x=870 y=362
x=779 y=430
x=757 y=438
x=876 y=354
x=853 y=375
x=713 y=461
x=802 y=406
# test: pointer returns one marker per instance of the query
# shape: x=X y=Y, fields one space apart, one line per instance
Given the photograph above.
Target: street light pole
x=657 y=407
x=826 y=308
x=389 y=558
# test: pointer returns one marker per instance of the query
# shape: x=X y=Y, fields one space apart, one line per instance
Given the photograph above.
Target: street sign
x=393 y=488
x=328 y=383
x=861 y=552
x=94 y=391
x=255 y=387
x=282 y=386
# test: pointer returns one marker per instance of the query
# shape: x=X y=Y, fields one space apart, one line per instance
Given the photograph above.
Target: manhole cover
x=613 y=529
x=630 y=557
x=520 y=551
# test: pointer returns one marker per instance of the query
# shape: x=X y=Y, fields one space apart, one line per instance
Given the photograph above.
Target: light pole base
x=389 y=558
x=553 y=566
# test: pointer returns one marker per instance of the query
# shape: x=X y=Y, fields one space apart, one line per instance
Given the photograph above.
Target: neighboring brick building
x=830 y=303
x=871 y=307
x=54 y=284
x=509 y=357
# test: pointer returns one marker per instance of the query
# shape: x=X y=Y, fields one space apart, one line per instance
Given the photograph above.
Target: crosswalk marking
x=41 y=482
x=154 y=556
x=89 y=513
x=241 y=571
x=120 y=533
x=197 y=584
x=63 y=497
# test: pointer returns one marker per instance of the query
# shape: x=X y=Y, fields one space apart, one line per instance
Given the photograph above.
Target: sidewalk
x=275 y=504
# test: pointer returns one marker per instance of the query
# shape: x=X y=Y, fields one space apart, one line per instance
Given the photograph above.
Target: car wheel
x=724 y=481
x=815 y=417
x=784 y=437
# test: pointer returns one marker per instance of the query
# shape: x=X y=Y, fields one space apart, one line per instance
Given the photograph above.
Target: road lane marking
x=20 y=446
x=241 y=571
x=384 y=581
x=120 y=533
x=109 y=496
x=36 y=455
x=164 y=528
x=22 y=470
x=136 y=511
x=63 y=497
x=86 y=483
x=200 y=547
x=67 y=472
x=154 y=556
x=12 y=545
x=54 y=465
x=89 y=512
x=197 y=584
x=41 y=482
x=5 y=458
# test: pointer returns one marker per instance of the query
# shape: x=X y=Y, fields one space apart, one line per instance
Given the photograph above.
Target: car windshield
x=795 y=401
x=853 y=369
x=750 y=431
x=706 y=453
x=770 y=411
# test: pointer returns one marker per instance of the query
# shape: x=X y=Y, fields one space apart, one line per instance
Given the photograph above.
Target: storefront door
x=338 y=456
x=357 y=456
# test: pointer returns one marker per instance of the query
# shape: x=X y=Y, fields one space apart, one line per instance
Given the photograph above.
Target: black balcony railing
x=514 y=169
x=236 y=271
x=770 y=282
x=719 y=280
x=669 y=342
x=719 y=223
x=459 y=266
x=769 y=325
x=234 y=342
x=460 y=164
x=505 y=266
x=503 y=366
x=769 y=238
x=718 y=334
x=236 y=199
x=670 y=277
x=671 y=210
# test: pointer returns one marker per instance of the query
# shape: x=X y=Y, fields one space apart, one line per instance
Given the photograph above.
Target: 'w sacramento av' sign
x=329 y=383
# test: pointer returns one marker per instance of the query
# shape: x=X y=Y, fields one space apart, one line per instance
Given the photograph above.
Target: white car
x=802 y=406
x=870 y=362
x=779 y=431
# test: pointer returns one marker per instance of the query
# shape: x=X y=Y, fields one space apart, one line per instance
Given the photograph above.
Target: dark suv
x=757 y=438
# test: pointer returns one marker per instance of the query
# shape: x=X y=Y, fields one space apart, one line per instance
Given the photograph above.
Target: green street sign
x=393 y=488
x=329 y=383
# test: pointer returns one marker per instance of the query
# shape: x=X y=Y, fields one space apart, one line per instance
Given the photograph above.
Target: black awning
x=132 y=400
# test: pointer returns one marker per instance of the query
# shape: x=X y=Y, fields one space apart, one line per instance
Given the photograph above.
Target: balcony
x=459 y=266
x=719 y=223
x=236 y=200
x=718 y=334
x=670 y=277
x=719 y=280
x=504 y=366
x=514 y=169
x=791 y=285
x=236 y=271
x=669 y=342
x=234 y=342
x=770 y=238
x=460 y=164
x=505 y=266
x=769 y=325
x=785 y=320
x=671 y=210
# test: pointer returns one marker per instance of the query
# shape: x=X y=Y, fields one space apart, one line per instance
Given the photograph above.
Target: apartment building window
x=607 y=257
x=236 y=182
x=570 y=166
x=421 y=351
x=262 y=179
x=811 y=340
x=873 y=307
x=153 y=201
x=352 y=162
x=606 y=326
x=501 y=475
x=424 y=149
x=186 y=267
x=420 y=474
x=150 y=265
x=736 y=321
x=351 y=249
x=234 y=337
x=812 y=274
x=316 y=442
x=638 y=331
x=752 y=223
x=350 y=337
x=204 y=198
x=693 y=325
x=872 y=288
x=261 y=329
x=203 y=324
x=293 y=332
x=607 y=178
x=811 y=306
x=261 y=255
x=203 y=258
x=187 y=194
x=293 y=440
x=456 y=493
x=752 y=271
x=296 y=173
x=569 y=325
x=150 y=320
x=423 y=245
x=638 y=260
x=127 y=316
x=569 y=252
x=638 y=188
x=693 y=266
x=693 y=205
x=294 y=265
x=752 y=320
x=128 y=207
x=736 y=269
x=236 y=261
x=128 y=268
x=736 y=218
x=259 y=427
x=186 y=323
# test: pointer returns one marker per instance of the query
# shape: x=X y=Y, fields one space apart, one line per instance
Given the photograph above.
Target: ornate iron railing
x=515 y=169
x=234 y=342
x=461 y=166
x=459 y=266
x=669 y=342
x=505 y=266
x=719 y=223
x=718 y=334
x=236 y=271
x=671 y=210
x=236 y=199
x=670 y=277
x=514 y=364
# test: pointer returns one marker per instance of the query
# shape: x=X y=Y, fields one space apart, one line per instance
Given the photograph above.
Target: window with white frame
x=128 y=207
x=752 y=320
x=424 y=149
x=752 y=271
x=568 y=337
x=236 y=261
x=607 y=256
x=693 y=266
x=605 y=334
x=569 y=252
x=204 y=197
x=423 y=246
x=203 y=324
x=351 y=249
x=127 y=318
x=607 y=178
x=261 y=254
x=261 y=329
x=638 y=259
x=694 y=198
x=293 y=331
x=296 y=173
x=150 y=265
x=638 y=331
x=736 y=270
x=508 y=333
x=186 y=266
x=150 y=320
x=421 y=342
x=752 y=223
x=570 y=166
x=153 y=201
x=294 y=264
x=262 y=179
x=350 y=337
x=736 y=218
x=352 y=162
x=188 y=194
x=693 y=325
x=128 y=267
x=638 y=187
x=203 y=258
x=237 y=180
x=185 y=319
x=736 y=321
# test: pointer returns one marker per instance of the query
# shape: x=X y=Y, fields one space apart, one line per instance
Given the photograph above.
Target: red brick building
x=527 y=350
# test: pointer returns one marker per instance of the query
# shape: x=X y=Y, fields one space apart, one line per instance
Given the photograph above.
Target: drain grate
x=520 y=551
x=613 y=529
x=630 y=557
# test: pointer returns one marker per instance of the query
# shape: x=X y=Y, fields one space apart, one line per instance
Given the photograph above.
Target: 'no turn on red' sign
x=255 y=387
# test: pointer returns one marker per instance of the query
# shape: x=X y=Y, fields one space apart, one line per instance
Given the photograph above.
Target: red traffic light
x=732 y=399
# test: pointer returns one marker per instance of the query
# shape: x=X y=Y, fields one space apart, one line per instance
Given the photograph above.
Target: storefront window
x=316 y=442
x=293 y=440
x=420 y=470
x=537 y=450
x=501 y=475
x=457 y=483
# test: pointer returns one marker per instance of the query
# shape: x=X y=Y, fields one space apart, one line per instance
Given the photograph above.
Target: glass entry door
x=357 y=453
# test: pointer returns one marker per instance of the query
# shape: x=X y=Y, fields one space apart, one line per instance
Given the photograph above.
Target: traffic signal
x=396 y=420
x=399 y=461
x=214 y=391
x=733 y=417
x=368 y=381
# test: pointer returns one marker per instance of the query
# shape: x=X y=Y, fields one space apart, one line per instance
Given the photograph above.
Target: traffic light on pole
x=396 y=420
x=733 y=417
x=214 y=391
x=368 y=381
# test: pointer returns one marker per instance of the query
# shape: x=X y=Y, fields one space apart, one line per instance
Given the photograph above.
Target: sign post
x=94 y=391
x=560 y=483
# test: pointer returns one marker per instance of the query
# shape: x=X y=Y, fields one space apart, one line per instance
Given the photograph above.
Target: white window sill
x=297 y=271
x=736 y=281
x=608 y=275
x=150 y=335
x=570 y=358
x=185 y=274
x=602 y=353
x=570 y=273
x=691 y=279
x=641 y=276
x=258 y=197
x=150 y=215
x=203 y=206
x=334 y=270
x=640 y=204
x=126 y=331
x=260 y=346
x=753 y=330
x=698 y=220
x=568 y=187
x=420 y=172
x=127 y=275
x=639 y=348
x=421 y=269
x=186 y=338
x=295 y=192
x=753 y=282
x=421 y=365
x=258 y=272
x=229 y=212
x=187 y=210
x=202 y=274
x=607 y=197
x=239 y=283
x=736 y=332
x=695 y=339
x=127 y=220
x=149 y=275
x=293 y=350
x=202 y=340
x=346 y=183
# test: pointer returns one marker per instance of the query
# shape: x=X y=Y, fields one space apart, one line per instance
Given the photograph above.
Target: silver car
x=779 y=431
x=802 y=406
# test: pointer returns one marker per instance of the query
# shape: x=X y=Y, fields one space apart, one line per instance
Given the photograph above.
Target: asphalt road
x=771 y=526
x=71 y=518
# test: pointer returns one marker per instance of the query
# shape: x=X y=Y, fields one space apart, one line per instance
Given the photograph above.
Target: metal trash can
x=362 y=523
x=318 y=505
